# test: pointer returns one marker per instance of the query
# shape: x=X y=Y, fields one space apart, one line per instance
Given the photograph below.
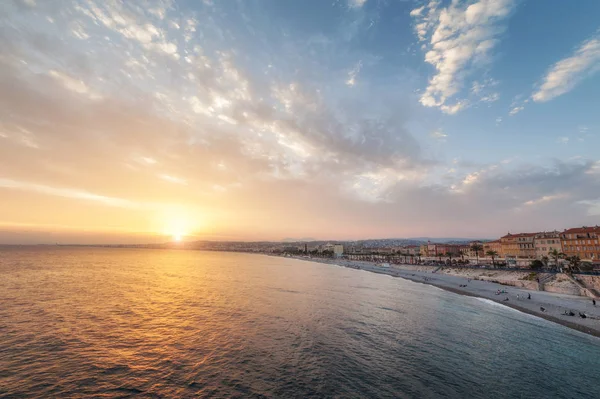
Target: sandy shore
x=553 y=303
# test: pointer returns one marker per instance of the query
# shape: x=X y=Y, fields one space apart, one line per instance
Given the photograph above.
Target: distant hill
x=302 y=239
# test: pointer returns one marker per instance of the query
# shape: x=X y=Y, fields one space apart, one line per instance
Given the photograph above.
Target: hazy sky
x=126 y=120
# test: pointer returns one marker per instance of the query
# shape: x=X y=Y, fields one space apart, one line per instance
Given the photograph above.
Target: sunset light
x=299 y=198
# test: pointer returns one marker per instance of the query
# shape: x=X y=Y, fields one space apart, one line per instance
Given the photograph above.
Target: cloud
x=439 y=135
x=461 y=37
x=545 y=198
x=567 y=73
x=351 y=81
x=563 y=140
x=234 y=142
x=516 y=110
x=172 y=179
x=68 y=193
x=73 y=84
x=356 y=3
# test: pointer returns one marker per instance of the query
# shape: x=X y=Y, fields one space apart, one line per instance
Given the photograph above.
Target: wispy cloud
x=69 y=193
x=439 y=134
x=356 y=3
x=545 y=198
x=516 y=110
x=461 y=38
x=351 y=81
x=74 y=84
x=563 y=76
x=172 y=179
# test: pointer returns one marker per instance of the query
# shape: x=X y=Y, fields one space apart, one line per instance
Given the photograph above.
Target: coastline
x=553 y=303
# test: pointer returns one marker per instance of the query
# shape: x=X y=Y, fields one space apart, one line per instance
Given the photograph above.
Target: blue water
x=84 y=322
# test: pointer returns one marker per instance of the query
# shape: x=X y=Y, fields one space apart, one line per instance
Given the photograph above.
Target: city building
x=465 y=250
x=510 y=246
x=338 y=250
x=413 y=250
x=526 y=245
x=437 y=250
x=518 y=245
x=326 y=248
x=424 y=249
x=472 y=252
x=495 y=246
x=582 y=242
x=355 y=249
x=546 y=242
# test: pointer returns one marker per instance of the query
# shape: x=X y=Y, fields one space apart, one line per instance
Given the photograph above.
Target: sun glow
x=178 y=223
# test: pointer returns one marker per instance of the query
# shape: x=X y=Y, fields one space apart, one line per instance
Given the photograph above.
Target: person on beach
x=594 y=301
x=517 y=297
x=528 y=296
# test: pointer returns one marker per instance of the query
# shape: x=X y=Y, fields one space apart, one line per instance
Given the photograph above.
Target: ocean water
x=87 y=322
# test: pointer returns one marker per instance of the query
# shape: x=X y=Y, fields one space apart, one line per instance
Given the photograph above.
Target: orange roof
x=519 y=235
x=584 y=229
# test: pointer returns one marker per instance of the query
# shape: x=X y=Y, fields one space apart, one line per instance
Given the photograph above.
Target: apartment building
x=518 y=245
x=495 y=246
x=582 y=242
x=546 y=242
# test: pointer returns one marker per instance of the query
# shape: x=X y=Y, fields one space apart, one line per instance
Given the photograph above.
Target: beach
x=554 y=304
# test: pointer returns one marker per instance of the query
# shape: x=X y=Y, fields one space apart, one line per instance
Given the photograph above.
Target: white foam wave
x=494 y=303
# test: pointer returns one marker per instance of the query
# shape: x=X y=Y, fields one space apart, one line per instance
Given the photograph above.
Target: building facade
x=338 y=250
x=518 y=245
x=495 y=246
x=546 y=242
x=583 y=242
x=526 y=243
x=472 y=252
x=509 y=245
x=413 y=250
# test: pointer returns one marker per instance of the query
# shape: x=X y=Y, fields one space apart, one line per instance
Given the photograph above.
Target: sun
x=177 y=237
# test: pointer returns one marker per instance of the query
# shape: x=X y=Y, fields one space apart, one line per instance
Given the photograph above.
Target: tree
x=545 y=261
x=449 y=255
x=477 y=248
x=536 y=264
x=574 y=262
x=556 y=255
x=418 y=255
x=493 y=255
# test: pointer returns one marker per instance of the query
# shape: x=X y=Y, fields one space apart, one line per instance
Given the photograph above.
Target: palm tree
x=449 y=255
x=574 y=262
x=418 y=255
x=545 y=260
x=493 y=255
x=477 y=248
x=556 y=255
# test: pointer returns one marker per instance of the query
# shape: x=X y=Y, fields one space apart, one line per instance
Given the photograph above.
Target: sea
x=81 y=322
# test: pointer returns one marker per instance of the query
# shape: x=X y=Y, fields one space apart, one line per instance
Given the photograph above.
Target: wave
x=496 y=304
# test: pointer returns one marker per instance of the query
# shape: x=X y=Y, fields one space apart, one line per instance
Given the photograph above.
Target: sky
x=138 y=121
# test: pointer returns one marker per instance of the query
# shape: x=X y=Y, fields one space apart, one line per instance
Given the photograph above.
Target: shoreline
x=552 y=302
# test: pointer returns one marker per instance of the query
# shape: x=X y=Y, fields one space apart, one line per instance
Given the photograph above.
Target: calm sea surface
x=147 y=323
